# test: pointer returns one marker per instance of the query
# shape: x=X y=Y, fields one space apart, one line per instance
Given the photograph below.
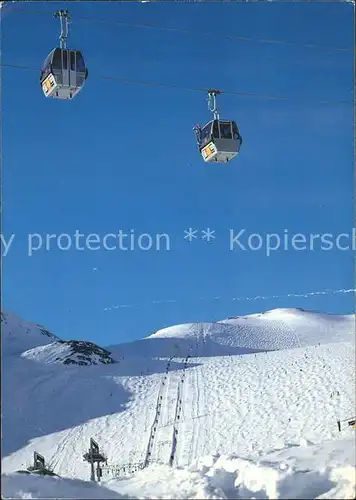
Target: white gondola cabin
x=219 y=140
x=64 y=72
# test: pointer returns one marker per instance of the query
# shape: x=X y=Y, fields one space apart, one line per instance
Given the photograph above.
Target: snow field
x=233 y=404
x=215 y=391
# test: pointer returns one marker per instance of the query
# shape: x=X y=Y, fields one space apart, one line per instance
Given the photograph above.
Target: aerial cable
x=200 y=33
x=65 y=19
x=212 y=103
x=195 y=89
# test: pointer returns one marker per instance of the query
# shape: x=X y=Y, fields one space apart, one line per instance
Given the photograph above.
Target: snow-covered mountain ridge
x=272 y=330
x=34 y=341
x=269 y=331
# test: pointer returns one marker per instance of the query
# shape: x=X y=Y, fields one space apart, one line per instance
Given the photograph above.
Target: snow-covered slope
x=246 y=386
x=272 y=330
x=18 y=335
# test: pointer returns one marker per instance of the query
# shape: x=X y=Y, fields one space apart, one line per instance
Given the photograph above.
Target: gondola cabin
x=219 y=141
x=63 y=73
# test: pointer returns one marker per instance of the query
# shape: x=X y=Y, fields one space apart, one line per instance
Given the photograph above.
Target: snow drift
x=306 y=471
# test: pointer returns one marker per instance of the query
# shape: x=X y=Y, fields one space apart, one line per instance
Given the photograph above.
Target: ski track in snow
x=161 y=406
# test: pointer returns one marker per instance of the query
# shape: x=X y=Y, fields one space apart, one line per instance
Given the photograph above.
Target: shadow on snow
x=41 y=399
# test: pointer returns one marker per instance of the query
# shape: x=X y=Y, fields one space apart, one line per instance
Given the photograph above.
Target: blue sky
x=123 y=156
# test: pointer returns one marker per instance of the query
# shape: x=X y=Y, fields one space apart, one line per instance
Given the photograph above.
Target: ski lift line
x=195 y=89
x=200 y=33
x=226 y=92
